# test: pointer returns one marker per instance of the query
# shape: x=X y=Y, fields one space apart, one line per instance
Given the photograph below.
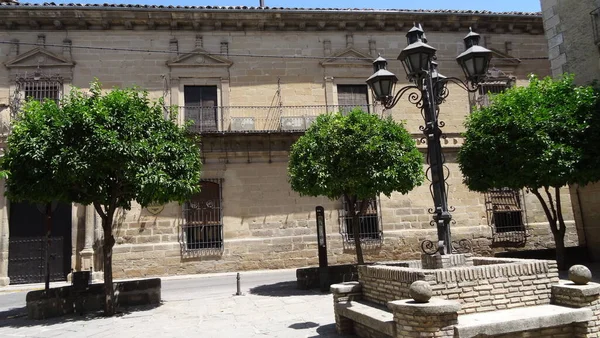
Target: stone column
x=343 y=293
x=580 y=296
x=435 y=318
x=87 y=253
x=4 y=236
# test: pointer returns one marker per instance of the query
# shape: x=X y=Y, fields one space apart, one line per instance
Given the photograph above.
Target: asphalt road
x=180 y=288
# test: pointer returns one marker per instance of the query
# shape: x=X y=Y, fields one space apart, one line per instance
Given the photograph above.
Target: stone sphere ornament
x=580 y=274
x=420 y=291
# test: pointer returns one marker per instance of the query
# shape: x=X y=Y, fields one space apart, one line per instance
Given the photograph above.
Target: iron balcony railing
x=260 y=118
x=245 y=119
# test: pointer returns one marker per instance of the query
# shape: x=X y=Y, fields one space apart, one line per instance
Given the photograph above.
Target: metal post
x=48 y=231
x=239 y=289
x=322 y=242
x=435 y=159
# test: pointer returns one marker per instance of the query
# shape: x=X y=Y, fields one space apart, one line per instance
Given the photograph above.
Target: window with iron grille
x=506 y=214
x=353 y=96
x=369 y=223
x=40 y=87
x=489 y=88
x=203 y=218
x=201 y=106
x=595 y=14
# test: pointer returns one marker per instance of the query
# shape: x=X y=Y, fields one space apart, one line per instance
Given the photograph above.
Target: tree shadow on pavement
x=17 y=317
x=281 y=289
x=329 y=330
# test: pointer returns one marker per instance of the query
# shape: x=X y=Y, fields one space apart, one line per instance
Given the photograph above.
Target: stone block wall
x=491 y=284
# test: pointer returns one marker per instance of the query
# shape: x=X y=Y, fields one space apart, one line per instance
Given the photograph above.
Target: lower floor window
x=505 y=212
x=369 y=222
x=203 y=218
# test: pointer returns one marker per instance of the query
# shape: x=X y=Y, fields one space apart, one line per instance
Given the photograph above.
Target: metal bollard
x=239 y=291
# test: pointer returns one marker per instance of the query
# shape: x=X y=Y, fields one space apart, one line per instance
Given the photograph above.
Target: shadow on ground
x=281 y=289
x=329 y=331
x=17 y=317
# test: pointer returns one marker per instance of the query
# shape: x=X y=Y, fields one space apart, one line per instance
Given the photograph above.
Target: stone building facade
x=252 y=79
x=572 y=28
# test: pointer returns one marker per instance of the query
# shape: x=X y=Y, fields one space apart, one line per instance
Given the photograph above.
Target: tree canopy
x=540 y=137
x=101 y=149
x=544 y=134
x=357 y=157
x=359 y=154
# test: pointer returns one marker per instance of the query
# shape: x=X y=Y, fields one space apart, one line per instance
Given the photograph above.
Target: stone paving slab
x=251 y=315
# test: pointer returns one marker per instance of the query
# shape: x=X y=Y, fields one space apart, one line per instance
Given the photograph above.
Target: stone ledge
x=518 y=319
x=435 y=306
x=572 y=289
x=369 y=315
x=347 y=287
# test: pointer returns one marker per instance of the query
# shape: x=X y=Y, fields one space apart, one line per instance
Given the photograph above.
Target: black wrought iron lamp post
x=429 y=90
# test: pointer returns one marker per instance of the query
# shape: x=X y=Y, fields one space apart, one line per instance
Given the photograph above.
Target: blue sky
x=497 y=6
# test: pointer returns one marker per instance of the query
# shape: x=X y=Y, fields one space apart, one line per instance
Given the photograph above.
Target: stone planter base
x=66 y=300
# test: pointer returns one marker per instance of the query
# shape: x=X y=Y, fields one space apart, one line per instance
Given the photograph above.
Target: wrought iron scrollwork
x=462 y=246
x=429 y=247
x=415 y=97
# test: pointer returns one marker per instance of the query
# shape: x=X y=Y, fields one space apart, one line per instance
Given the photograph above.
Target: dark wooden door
x=27 y=243
x=201 y=106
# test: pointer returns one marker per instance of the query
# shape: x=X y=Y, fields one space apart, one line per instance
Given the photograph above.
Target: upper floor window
x=203 y=218
x=353 y=96
x=40 y=87
x=201 y=107
x=489 y=88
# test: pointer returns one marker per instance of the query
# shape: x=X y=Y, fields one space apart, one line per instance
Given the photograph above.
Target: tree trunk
x=554 y=215
x=355 y=227
x=559 y=241
x=109 y=241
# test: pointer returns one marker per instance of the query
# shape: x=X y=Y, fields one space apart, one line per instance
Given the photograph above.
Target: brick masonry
x=490 y=284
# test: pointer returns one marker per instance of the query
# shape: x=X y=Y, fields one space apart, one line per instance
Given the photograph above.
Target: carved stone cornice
x=207 y=19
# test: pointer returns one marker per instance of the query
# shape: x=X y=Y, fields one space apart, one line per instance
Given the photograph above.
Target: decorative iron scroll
x=458 y=247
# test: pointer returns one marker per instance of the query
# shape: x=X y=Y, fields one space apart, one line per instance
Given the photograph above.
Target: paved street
x=199 y=306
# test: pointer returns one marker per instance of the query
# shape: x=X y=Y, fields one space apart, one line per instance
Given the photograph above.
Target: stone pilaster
x=436 y=318
x=87 y=253
x=4 y=236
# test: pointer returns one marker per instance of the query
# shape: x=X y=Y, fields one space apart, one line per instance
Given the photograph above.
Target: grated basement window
x=370 y=228
x=505 y=215
x=203 y=218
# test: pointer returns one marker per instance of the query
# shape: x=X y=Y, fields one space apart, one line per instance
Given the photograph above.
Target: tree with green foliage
x=105 y=150
x=356 y=157
x=541 y=137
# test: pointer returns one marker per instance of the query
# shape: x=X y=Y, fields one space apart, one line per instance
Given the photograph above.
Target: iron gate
x=27 y=243
x=27 y=259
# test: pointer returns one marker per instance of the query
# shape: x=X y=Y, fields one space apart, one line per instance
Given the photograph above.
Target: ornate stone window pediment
x=349 y=57
x=503 y=60
x=38 y=58
x=199 y=58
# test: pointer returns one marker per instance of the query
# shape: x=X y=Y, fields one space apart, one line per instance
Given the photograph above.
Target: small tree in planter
x=355 y=157
x=540 y=137
x=106 y=150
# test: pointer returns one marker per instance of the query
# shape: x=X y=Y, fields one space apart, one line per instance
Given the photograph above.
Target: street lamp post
x=427 y=91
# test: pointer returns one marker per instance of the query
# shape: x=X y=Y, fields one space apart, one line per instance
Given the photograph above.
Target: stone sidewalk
x=260 y=313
